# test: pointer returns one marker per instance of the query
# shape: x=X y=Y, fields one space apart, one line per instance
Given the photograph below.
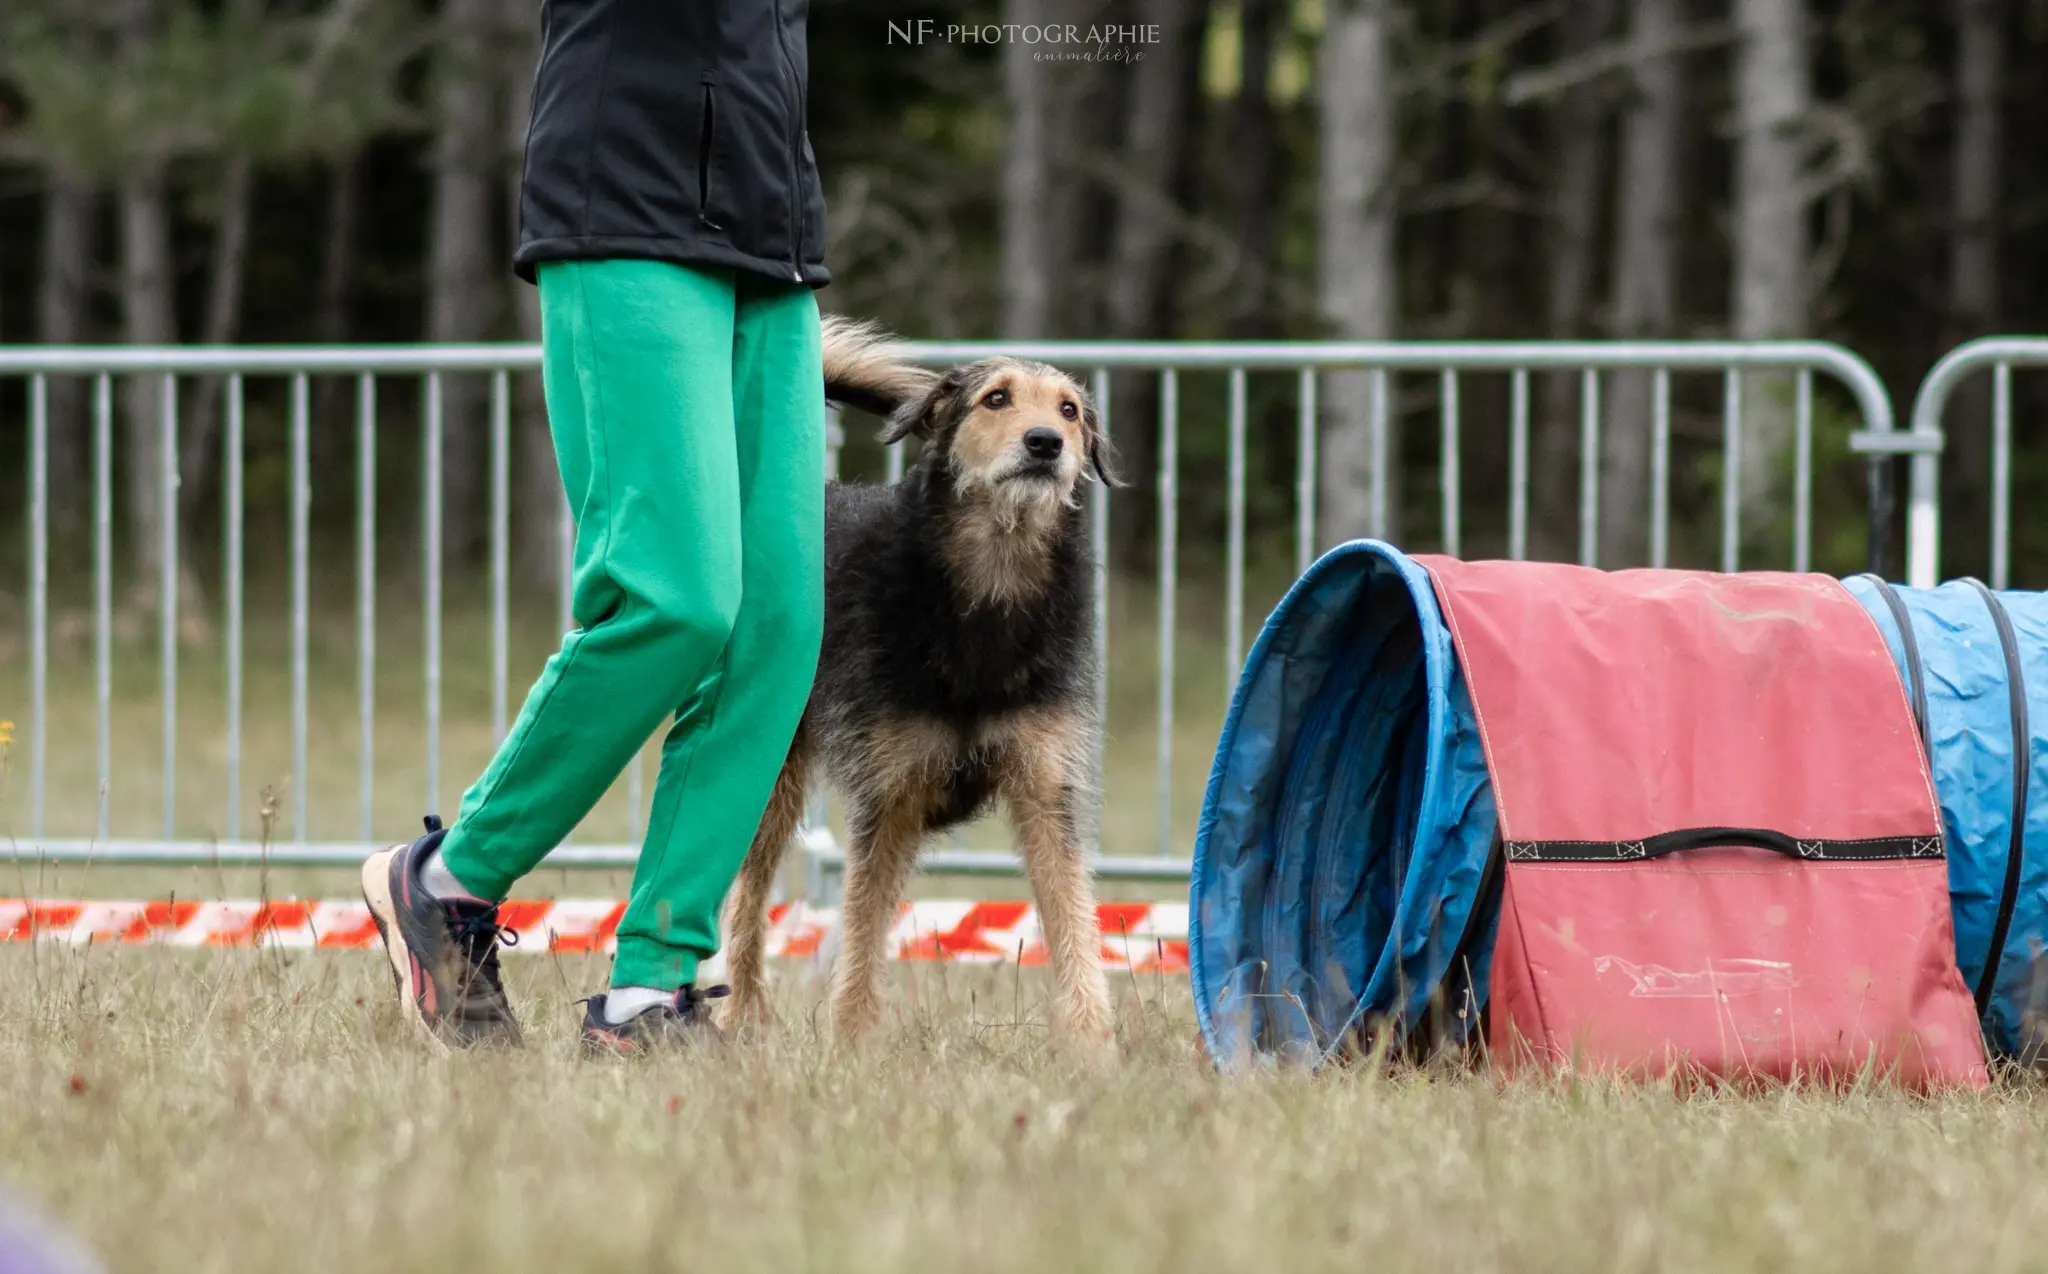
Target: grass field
x=259 y=1112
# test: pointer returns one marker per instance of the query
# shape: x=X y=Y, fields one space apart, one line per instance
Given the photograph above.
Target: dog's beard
x=1000 y=548
x=1019 y=502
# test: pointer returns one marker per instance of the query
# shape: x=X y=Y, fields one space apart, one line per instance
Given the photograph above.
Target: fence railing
x=1999 y=355
x=1308 y=364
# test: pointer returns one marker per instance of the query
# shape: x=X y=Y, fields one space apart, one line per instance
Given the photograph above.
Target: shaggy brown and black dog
x=956 y=667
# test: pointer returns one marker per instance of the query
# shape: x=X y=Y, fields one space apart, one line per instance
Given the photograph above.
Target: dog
x=956 y=667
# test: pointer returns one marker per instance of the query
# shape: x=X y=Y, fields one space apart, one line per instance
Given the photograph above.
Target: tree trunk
x=1973 y=230
x=69 y=213
x=1158 y=153
x=1062 y=118
x=1773 y=95
x=1156 y=163
x=148 y=318
x=148 y=313
x=338 y=250
x=1258 y=185
x=200 y=438
x=230 y=252
x=1031 y=233
x=1359 y=285
x=1973 y=237
x=1648 y=222
x=463 y=292
x=334 y=396
x=1580 y=137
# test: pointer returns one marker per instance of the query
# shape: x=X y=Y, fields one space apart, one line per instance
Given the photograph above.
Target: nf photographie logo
x=1052 y=41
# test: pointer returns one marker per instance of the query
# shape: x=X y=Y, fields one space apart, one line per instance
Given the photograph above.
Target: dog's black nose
x=1042 y=443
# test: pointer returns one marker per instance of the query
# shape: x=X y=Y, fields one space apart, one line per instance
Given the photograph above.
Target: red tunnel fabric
x=1721 y=845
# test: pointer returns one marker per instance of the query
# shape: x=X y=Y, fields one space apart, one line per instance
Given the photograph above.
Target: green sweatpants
x=688 y=415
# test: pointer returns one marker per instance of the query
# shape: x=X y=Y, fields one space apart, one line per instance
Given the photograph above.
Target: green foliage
x=278 y=86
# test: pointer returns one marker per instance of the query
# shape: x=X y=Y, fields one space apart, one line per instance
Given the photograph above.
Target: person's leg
x=638 y=376
x=732 y=734
x=638 y=370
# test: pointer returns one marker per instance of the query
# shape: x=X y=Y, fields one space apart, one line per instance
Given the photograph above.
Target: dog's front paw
x=856 y=1012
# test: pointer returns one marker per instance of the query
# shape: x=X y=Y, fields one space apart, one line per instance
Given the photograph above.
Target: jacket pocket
x=707 y=136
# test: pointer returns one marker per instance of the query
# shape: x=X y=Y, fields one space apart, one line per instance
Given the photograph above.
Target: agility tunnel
x=1348 y=870
x=1347 y=819
x=1975 y=664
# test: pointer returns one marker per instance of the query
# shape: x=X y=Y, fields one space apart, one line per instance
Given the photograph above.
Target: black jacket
x=673 y=130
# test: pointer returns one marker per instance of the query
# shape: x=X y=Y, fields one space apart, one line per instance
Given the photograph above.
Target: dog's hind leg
x=1045 y=784
x=747 y=907
x=878 y=865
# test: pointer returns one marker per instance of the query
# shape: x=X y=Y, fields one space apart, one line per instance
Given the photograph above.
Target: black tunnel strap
x=2022 y=768
x=1869 y=849
x=1915 y=679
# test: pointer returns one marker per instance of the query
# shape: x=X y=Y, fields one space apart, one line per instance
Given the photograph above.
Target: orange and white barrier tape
x=1138 y=935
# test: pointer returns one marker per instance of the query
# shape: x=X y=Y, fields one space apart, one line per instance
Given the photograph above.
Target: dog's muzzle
x=1043 y=450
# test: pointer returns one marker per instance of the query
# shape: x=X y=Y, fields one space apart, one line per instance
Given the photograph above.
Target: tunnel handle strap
x=1664 y=844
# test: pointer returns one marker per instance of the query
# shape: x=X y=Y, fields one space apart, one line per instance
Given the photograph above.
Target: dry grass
x=263 y=1112
x=258 y=1112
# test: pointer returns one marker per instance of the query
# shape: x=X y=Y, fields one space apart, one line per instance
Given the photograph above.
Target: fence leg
x=1880 y=514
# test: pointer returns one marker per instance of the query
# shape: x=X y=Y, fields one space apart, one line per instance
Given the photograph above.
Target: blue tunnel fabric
x=1347 y=818
x=1349 y=814
x=1969 y=709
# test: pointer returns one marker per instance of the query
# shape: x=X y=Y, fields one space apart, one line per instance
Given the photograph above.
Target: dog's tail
x=865 y=368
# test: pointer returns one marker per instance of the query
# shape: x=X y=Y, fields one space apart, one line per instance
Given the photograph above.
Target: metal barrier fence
x=1380 y=362
x=1999 y=354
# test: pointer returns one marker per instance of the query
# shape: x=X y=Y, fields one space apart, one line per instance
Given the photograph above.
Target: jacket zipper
x=796 y=143
x=707 y=139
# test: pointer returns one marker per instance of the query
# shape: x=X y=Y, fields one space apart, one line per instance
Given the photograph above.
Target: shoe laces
x=475 y=927
x=477 y=930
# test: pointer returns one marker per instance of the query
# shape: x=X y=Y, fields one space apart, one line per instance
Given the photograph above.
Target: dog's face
x=1023 y=432
x=1021 y=435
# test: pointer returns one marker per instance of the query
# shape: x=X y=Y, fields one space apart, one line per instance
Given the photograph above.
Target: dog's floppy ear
x=920 y=416
x=1101 y=455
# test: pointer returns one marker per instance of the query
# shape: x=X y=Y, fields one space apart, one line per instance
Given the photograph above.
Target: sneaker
x=444 y=951
x=682 y=1022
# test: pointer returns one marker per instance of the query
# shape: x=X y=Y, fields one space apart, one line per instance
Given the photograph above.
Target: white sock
x=441 y=882
x=623 y=1002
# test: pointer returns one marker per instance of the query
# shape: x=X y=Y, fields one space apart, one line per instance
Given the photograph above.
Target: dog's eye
x=996 y=399
x=1070 y=411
